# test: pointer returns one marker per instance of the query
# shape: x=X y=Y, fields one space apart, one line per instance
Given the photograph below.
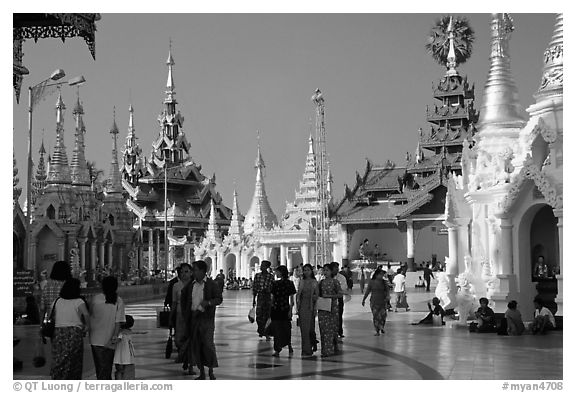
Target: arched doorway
x=254 y=266
x=230 y=266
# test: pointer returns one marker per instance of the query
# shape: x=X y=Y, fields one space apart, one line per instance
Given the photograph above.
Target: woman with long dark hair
x=59 y=274
x=306 y=308
x=106 y=316
x=380 y=291
x=283 y=291
x=329 y=288
x=71 y=321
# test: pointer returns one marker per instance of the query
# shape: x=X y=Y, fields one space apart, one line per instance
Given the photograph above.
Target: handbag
x=324 y=304
x=49 y=323
x=163 y=318
x=252 y=315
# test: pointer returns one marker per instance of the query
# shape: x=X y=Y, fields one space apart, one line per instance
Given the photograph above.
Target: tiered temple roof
x=189 y=192
x=388 y=193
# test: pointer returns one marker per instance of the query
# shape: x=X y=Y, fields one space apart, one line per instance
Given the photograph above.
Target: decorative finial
x=114 y=129
x=450 y=42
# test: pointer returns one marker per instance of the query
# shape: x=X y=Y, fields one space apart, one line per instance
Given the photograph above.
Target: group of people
x=274 y=299
x=512 y=324
x=102 y=318
x=193 y=297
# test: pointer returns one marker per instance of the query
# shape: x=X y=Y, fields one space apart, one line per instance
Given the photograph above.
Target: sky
x=239 y=73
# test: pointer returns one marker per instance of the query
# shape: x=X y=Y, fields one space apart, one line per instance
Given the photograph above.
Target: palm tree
x=95 y=175
x=439 y=43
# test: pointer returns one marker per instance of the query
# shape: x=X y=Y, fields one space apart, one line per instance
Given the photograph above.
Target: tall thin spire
x=39 y=182
x=501 y=106
x=212 y=232
x=78 y=166
x=131 y=153
x=114 y=183
x=59 y=170
x=235 y=224
x=553 y=73
x=451 y=59
x=170 y=87
x=260 y=214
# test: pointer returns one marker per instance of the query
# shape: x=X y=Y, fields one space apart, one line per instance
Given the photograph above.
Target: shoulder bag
x=49 y=323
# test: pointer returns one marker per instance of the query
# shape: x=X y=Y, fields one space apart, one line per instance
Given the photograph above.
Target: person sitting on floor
x=437 y=310
x=485 y=318
x=514 y=324
x=543 y=318
x=420 y=282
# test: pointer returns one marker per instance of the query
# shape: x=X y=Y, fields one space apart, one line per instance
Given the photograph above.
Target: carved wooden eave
x=35 y=26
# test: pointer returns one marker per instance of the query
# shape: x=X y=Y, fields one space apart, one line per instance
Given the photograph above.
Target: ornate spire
x=59 y=172
x=78 y=166
x=260 y=214
x=39 y=182
x=451 y=59
x=131 y=152
x=501 y=106
x=170 y=87
x=553 y=72
x=114 y=183
x=212 y=232
x=235 y=225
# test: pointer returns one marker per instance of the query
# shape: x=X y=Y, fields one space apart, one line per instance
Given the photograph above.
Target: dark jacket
x=168 y=298
x=212 y=293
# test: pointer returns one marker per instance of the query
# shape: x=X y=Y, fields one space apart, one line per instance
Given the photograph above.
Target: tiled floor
x=404 y=352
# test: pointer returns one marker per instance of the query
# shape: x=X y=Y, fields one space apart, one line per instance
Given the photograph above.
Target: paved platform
x=405 y=352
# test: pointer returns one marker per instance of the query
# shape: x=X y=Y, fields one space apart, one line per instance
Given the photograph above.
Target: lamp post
x=35 y=95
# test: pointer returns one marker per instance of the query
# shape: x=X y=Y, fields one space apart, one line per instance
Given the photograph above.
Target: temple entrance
x=538 y=256
x=230 y=266
x=254 y=266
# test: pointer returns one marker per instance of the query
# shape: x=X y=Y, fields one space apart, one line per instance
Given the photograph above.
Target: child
x=485 y=318
x=514 y=324
x=124 y=354
x=436 y=310
x=543 y=318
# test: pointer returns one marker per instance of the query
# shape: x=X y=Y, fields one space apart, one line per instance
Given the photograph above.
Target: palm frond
x=438 y=44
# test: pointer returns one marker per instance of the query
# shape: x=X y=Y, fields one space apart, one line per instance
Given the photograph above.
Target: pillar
x=150 y=250
x=102 y=256
x=82 y=245
x=93 y=255
x=289 y=260
x=110 y=256
x=157 y=256
x=304 y=252
x=343 y=235
x=463 y=243
x=506 y=261
x=62 y=249
x=452 y=268
x=560 y=277
x=282 y=254
x=410 y=243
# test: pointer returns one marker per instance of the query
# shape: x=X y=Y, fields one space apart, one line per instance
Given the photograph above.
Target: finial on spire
x=114 y=129
x=259 y=160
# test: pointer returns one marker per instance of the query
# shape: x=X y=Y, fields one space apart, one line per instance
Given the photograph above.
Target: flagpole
x=167 y=248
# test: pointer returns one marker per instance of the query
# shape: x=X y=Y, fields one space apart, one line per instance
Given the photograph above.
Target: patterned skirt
x=67 y=353
x=379 y=313
x=328 y=323
x=263 y=309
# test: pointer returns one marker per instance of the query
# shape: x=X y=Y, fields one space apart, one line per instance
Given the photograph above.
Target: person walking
x=427 y=276
x=124 y=353
x=68 y=342
x=199 y=300
x=400 y=291
x=176 y=317
x=343 y=281
x=262 y=298
x=169 y=299
x=362 y=279
x=282 y=291
x=106 y=315
x=329 y=288
x=306 y=298
x=378 y=288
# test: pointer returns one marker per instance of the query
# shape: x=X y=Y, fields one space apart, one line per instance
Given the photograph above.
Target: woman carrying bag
x=71 y=323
